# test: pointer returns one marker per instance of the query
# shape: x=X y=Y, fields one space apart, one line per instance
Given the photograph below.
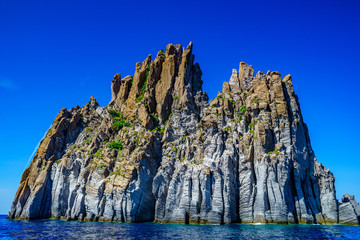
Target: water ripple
x=51 y=229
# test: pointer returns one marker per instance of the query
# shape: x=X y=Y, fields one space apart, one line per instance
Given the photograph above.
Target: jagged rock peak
x=242 y=80
x=160 y=152
x=158 y=86
x=115 y=86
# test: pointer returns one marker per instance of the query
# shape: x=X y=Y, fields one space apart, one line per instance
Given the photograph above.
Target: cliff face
x=161 y=152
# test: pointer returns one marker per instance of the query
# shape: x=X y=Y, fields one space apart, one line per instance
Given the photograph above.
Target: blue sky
x=56 y=54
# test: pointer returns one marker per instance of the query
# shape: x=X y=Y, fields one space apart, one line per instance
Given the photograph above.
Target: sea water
x=52 y=229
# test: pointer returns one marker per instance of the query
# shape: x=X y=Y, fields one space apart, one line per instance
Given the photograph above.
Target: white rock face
x=160 y=152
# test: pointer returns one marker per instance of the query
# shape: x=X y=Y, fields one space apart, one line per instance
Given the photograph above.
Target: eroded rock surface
x=161 y=152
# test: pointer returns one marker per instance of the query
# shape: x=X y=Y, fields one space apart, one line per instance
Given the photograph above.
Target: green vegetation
x=113 y=113
x=155 y=120
x=251 y=131
x=119 y=172
x=175 y=98
x=87 y=141
x=228 y=128
x=98 y=154
x=242 y=109
x=100 y=166
x=143 y=88
x=58 y=161
x=251 y=125
x=221 y=97
x=154 y=117
x=274 y=152
x=161 y=53
x=116 y=145
x=119 y=120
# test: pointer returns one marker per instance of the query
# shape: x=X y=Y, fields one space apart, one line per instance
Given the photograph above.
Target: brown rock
x=246 y=75
x=234 y=81
x=225 y=87
x=124 y=90
x=115 y=86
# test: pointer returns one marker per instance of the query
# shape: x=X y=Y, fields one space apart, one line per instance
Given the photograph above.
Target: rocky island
x=160 y=151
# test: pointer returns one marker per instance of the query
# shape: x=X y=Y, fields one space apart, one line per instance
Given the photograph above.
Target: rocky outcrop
x=349 y=210
x=161 y=152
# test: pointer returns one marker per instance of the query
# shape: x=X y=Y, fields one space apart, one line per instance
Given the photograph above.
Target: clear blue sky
x=56 y=54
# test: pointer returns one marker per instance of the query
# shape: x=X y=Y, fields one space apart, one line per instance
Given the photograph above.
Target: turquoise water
x=51 y=229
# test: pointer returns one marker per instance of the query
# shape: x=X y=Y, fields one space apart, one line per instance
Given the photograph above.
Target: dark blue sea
x=52 y=229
